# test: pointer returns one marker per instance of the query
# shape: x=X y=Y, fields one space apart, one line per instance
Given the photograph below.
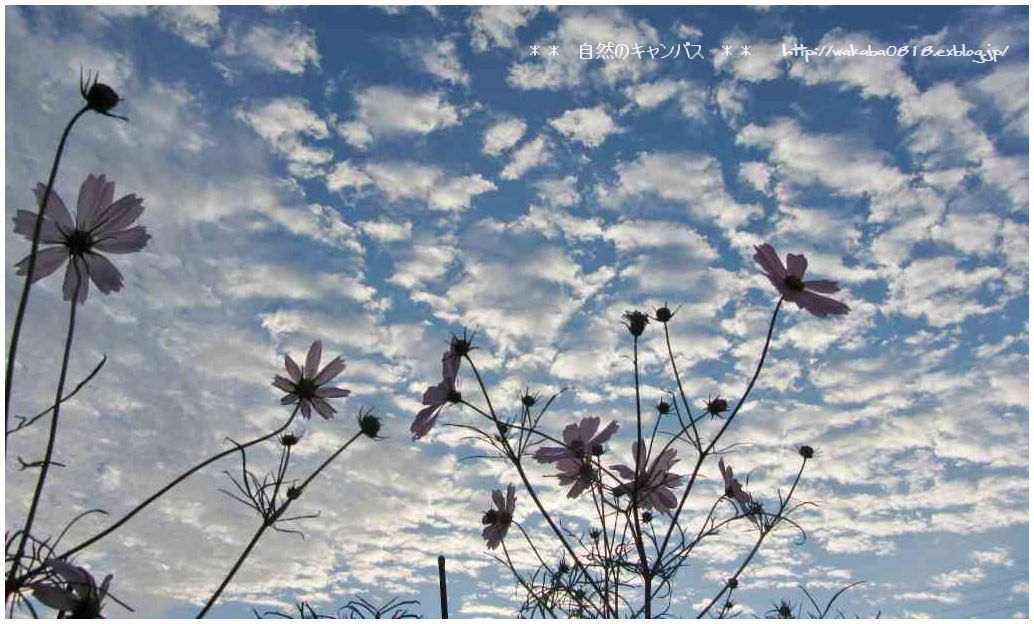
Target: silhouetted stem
x=714 y=441
x=23 y=301
x=682 y=392
x=270 y=522
x=143 y=505
x=757 y=545
x=52 y=439
x=515 y=460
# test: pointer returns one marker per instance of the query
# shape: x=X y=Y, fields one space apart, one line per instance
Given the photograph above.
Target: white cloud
x=401 y=180
x=588 y=126
x=285 y=123
x=275 y=48
x=805 y=158
x=496 y=26
x=394 y=111
x=346 y=175
x=441 y=60
x=764 y=60
x=384 y=231
x=197 y=25
x=526 y=157
x=1005 y=86
x=579 y=25
x=693 y=180
x=503 y=135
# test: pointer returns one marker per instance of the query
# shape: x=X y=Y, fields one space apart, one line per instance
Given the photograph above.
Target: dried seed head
x=369 y=424
x=663 y=314
x=664 y=408
x=636 y=322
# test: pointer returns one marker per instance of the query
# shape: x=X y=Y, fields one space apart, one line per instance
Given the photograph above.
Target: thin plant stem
x=23 y=300
x=527 y=483
x=52 y=439
x=641 y=463
x=143 y=505
x=757 y=545
x=682 y=392
x=268 y=522
x=714 y=440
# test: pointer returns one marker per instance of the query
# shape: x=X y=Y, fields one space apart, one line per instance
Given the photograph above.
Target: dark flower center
x=576 y=447
x=305 y=388
x=453 y=396
x=794 y=283
x=79 y=242
x=494 y=516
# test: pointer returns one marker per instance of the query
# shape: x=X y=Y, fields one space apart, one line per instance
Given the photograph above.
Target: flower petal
x=103 y=273
x=124 y=241
x=95 y=194
x=283 y=383
x=766 y=256
x=312 y=359
x=424 y=421
x=118 y=216
x=54 y=597
x=822 y=286
x=49 y=233
x=607 y=432
x=330 y=371
x=306 y=409
x=76 y=282
x=796 y=264
x=332 y=393
x=56 y=208
x=820 y=306
x=324 y=408
x=47 y=261
x=292 y=368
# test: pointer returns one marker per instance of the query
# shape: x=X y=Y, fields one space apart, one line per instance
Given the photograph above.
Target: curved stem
x=757 y=545
x=527 y=484
x=23 y=301
x=52 y=439
x=682 y=392
x=268 y=522
x=714 y=440
x=143 y=505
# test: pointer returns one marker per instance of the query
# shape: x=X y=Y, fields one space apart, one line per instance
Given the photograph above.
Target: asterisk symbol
x=726 y=50
x=535 y=50
x=554 y=50
x=745 y=50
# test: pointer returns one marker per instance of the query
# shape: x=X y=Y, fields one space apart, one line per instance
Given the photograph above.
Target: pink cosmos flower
x=73 y=590
x=436 y=397
x=789 y=281
x=307 y=386
x=734 y=490
x=654 y=484
x=100 y=225
x=580 y=439
x=498 y=519
x=577 y=472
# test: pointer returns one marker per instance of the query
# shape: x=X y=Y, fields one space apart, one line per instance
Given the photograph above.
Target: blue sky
x=381 y=177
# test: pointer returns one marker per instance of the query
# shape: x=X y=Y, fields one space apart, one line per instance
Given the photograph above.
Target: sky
x=381 y=177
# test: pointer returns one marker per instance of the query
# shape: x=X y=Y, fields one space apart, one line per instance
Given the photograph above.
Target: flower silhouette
x=73 y=590
x=436 y=397
x=100 y=225
x=789 y=281
x=498 y=519
x=653 y=486
x=580 y=439
x=307 y=386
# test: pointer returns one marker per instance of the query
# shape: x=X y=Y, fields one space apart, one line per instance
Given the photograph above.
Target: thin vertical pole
x=442 y=589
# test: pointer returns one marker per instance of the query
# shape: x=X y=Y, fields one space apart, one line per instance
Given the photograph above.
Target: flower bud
x=806 y=452
x=664 y=408
x=663 y=314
